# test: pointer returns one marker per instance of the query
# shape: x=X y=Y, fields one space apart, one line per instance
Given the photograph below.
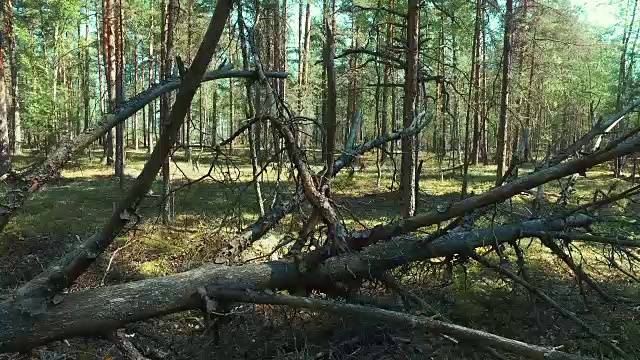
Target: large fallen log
x=97 y=311
x=32 y=180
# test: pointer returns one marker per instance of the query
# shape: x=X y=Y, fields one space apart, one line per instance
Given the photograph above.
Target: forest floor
x=211 y=211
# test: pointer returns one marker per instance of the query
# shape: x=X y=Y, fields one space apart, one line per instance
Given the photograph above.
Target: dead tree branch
x=432 y=326
x=566 y=313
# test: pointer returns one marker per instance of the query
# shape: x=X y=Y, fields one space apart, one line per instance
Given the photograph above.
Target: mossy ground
x=209 y=212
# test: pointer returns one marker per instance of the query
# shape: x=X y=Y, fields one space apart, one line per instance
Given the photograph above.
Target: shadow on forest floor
x=208 y=213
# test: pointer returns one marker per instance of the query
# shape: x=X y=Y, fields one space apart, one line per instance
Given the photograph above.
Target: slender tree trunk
x=323 y=105
x=169 y=15
x=202 y=119
x=623 y=76
x=151 y=117
x=144 y=125
x=282 y=26
x=475 y=83
x=528 y=114
x=483 y=94
x=300 y=56
x=214 y=117
x=189 y=119
x=14 y=114
x=119 y=51
x=231 y=86
x=331 y=113
x=409 y=109
x=99 y=48
x=108 y=14
x=5 y=155
x=87 y=69
x=250 y=112
x=472 y=155
x=501 y=155
x=134 y=122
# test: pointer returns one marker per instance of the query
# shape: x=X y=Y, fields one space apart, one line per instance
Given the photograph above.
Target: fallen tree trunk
x=32 y=180
x=265 y=223
x=103 y=309
x=498 y=194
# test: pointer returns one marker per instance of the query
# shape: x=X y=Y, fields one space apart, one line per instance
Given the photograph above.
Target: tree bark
x=14 y=114
x=108 y=14
x=87 y=69
x=330 y=112
x=475 y=83
x=134 y=301
x=409 y=110
x=250 y=112
x=134 y=121
x=151 y=117
x=119 y=86
x=5 y=151
x=501 y=155
x=169 y=16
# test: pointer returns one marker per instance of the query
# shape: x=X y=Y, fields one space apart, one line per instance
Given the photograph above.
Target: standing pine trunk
x=623 y=76
x=119 y=51
x=300 y=59
x=168 y=19
x=87 y=71
x=409 y=110
x=250 y=112
x=5 y=156
x=14 y=113
x=151 y=114
x=330 y=112
x=99 y=48
x=501 y=154
x=475 y=83
x=231 y=97
x=110 y=66
x=189 y=120
x=134 y=125
x=472 y=156
x=384 y=122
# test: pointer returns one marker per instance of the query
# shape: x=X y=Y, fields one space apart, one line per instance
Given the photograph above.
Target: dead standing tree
x=40 y=312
